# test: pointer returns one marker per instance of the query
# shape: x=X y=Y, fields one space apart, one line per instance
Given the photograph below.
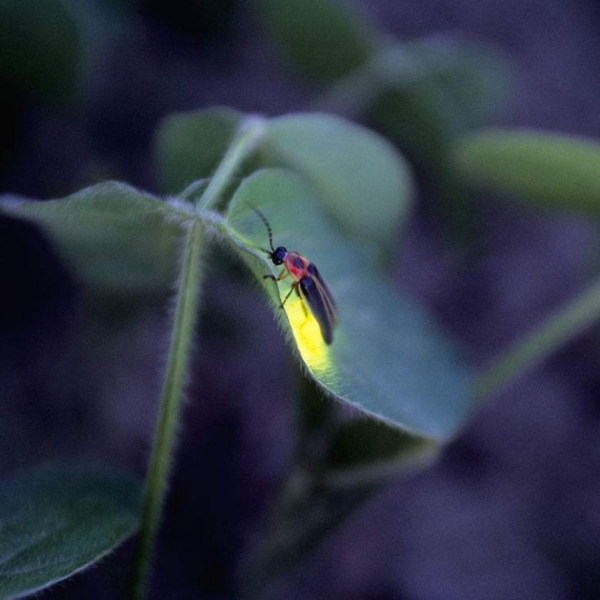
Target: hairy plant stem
x=185 y=318
x=559 y=329
x=246 y=140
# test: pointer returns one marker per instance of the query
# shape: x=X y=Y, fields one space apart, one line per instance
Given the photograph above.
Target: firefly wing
x=330 y=302
x=312 y=293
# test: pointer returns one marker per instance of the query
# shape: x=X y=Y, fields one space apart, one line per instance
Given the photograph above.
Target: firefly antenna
x=267 y=225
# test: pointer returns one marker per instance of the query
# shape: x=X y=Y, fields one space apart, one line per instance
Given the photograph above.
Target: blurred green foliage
x=436 y=89
x=551 y=170
x=189 y=146
x=367 y=443
x=323 y=40
x=421 y=94
x=347 y=166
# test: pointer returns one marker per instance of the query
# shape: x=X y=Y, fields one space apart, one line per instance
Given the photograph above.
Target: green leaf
x=365 y=453
x=309 y=515
x=436 y=89
x=365 y=442
x=55 y=522
x=330 y=480
x=388 y=358
x=552 y=170
x=119 y=239
x=189 y=146
x=41 y=48
x=322 y=39
x=364 y=185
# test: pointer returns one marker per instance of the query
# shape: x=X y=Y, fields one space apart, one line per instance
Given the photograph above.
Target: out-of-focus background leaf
x=337 y=467
x=365 y=443
x=549 y=169
x=421 y=93
x=322 y=40
x=351 y=168
x=190 y=146
x=435 y=89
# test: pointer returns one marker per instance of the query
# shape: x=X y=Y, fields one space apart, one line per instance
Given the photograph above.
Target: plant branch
x=560 y=328
x=184 y=325
x=245 y=142
x=248 y=136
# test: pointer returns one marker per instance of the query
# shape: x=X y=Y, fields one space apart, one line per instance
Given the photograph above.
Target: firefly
x=308 y=283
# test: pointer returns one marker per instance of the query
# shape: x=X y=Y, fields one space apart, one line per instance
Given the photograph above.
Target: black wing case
x=326 y=293
x=312 y=293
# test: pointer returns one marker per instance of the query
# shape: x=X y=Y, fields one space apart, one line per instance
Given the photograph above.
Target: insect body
x=308 y=283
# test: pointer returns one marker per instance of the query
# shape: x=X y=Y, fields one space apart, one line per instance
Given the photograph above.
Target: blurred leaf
x=362 y=181
x=301 y=525
x=41 y=48
x=348 y=164
x=436 y=89
x=119 y=239
x=366 y=442
x=324 y=488
x=365 y=454
x=322 y=39
x=553 y=170
x=189 y=146
x=476 y=77
x=428 y=93
x=57 y=522
x=387 y=358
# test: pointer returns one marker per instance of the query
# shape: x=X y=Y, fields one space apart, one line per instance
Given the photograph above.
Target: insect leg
x=294 y=287
x=303 y=303
x=281 y=276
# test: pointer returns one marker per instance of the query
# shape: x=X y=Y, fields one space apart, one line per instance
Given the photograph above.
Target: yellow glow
x=307 y=333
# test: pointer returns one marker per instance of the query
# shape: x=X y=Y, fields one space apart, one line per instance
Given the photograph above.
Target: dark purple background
x=513 y=508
